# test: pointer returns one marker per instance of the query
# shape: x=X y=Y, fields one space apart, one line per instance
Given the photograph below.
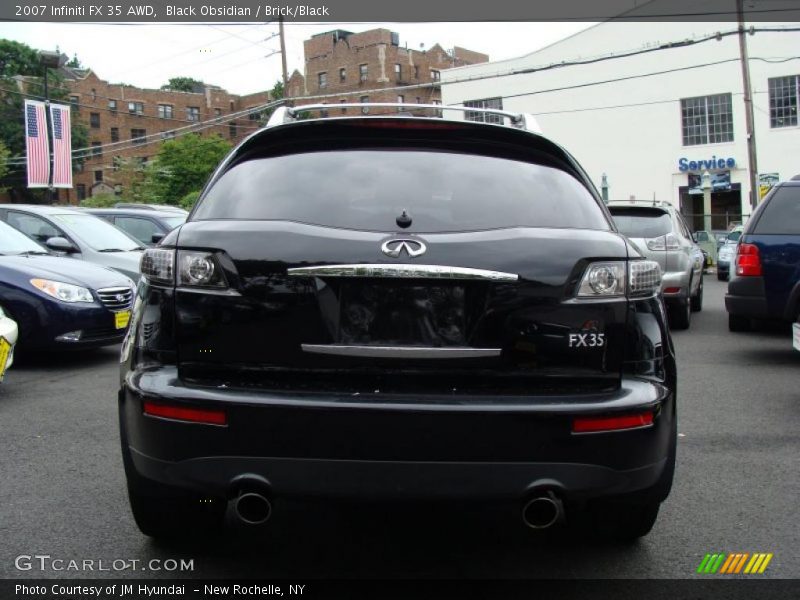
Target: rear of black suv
x=397 y=309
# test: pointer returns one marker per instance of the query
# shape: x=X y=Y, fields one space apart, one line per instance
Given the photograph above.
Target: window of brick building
x=115 y=134
x=137 y=136
x=363 y=100
x=322 y=79
x=97 y=148
x=98 y=175
x=400 y=100
x=363 y=71
x=112 y=107
x=342 y=75
x=167 y=135
x=344 y=110
x=416 y=72
x=80 y=189
x=398 y=71
x=74 y=102
x=165 y=111
x=94 y=120
x=136 y=108
x=192 y=113
x=232 y=129
x=436 y=75
x=217 y=112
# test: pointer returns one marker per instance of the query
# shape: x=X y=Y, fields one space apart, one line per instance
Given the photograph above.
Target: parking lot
x=736 y=488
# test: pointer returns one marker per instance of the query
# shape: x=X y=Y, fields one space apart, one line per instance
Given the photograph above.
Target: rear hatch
x=386 y=256
x=647 y=228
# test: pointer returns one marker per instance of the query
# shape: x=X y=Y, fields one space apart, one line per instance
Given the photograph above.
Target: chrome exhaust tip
x=252 y=508
x=543 y=511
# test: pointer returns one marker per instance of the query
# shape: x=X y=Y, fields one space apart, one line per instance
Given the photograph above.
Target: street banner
x=37 y=144
x=62 y=146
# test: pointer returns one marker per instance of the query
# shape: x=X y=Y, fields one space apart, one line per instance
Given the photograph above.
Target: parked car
x=147 y=226
x=765 y=275
x=8 y=338
x=727 y=253
x=660 y=233
x=60 y=303
x=74 y=233
x=376 y=331
x=705 y=240
x=158 y=207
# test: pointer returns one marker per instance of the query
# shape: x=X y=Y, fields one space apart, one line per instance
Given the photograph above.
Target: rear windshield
x=369 y=189
x=782 y=215
x=642 y=223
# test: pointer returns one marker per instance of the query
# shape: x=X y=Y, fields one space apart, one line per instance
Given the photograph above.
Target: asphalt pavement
x=737 y=486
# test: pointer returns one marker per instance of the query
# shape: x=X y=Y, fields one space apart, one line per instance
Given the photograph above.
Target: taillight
x=664 y=242
x=598 y=424
x=615 y=279
x=748 y=260
x=183 y=413
x=191 y=268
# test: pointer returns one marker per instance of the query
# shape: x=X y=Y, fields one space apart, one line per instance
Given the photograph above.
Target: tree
x=183 y=165
x=277 y=90
x=17 y=59
x=182 y=84
x=74 y=62
x=4 y=154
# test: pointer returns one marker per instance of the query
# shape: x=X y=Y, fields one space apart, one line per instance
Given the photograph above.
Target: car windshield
x=642 y=223
x=96 y=233
x=173 y=222
x=14 y=242
x=370 y=189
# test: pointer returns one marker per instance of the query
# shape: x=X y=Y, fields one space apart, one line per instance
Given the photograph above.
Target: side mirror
x=157 y=237
x=60 y=244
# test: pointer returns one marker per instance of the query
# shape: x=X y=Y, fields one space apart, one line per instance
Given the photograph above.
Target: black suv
x=398 y=308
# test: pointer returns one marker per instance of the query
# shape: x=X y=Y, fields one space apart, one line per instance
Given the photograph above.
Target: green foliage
x=100 y=201
x=277 y=90
x=74 y=62
x=181 y=84
x=18 y=59
x=183 y=165
x=189 y=200
x=4 y=154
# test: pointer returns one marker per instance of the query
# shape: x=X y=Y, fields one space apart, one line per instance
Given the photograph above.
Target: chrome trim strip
x=211 y=291
x=399 y=351
x=402 y=271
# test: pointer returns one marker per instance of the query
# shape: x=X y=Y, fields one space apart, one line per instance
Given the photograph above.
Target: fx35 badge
x=587 y=340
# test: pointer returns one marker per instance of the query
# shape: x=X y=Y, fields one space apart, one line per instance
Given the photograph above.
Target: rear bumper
x=675 y=279
x=746 y=298
x=329 y=446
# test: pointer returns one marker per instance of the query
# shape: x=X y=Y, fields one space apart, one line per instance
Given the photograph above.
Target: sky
x=239 y=57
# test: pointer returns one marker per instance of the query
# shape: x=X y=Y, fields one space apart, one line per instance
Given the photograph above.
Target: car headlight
x=66 y=292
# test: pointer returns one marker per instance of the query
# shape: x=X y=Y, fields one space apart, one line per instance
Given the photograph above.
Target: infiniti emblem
x=394 y=248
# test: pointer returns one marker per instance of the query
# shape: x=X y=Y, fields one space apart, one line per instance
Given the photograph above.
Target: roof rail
x=286 y=114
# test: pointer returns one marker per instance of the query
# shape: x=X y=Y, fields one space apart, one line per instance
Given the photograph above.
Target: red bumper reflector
x=182 y=413
x=672 y=290
x=589 y=424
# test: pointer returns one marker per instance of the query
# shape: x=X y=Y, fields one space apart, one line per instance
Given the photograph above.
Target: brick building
x=358 y=67
x=126 y=122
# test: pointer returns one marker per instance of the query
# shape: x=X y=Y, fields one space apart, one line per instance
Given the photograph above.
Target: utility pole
x=283 y=57
x=752 y=163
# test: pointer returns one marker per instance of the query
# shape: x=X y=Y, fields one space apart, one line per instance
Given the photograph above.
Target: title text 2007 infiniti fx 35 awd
x=398 y=308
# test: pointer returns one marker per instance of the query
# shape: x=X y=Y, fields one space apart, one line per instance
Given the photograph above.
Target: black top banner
x=354 y=11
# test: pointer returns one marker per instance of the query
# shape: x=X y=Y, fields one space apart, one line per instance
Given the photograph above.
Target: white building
x=649 y=121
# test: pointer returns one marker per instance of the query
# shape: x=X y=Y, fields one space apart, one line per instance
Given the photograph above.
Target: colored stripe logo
x=735 y=563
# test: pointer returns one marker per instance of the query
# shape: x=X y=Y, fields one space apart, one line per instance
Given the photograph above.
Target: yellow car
x=8 y=337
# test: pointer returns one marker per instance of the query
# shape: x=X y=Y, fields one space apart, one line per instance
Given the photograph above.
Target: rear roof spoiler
x=286 y=114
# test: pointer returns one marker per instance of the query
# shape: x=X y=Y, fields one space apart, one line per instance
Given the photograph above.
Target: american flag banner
x=62 y=146
x=37 y=144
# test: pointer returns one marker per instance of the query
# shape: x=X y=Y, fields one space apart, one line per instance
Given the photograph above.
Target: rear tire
x=680 y=314
x=737 y=323
x=697 y=299
x=170 y=517
x=722 y=276
x=625 y=522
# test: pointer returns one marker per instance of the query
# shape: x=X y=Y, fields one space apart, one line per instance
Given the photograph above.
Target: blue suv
x=765 y=275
